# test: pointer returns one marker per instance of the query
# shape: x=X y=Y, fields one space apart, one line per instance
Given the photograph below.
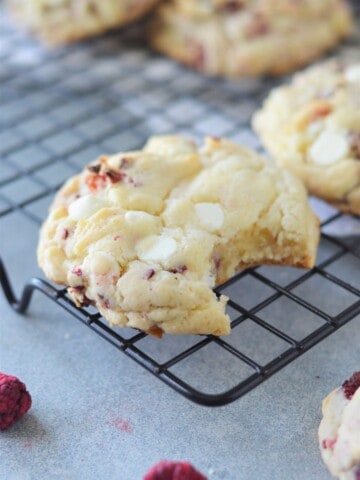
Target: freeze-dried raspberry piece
x=15 y=400
x=166 y=470
x=350 y=386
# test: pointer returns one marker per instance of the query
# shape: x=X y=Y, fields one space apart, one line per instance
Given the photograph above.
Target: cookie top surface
x=312 y=126
x=339 y=431
x=145 y=235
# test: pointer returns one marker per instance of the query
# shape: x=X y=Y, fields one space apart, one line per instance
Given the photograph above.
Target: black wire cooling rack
x=60 y=109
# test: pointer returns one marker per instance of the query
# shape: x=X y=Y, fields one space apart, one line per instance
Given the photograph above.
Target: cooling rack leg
x=21 y=305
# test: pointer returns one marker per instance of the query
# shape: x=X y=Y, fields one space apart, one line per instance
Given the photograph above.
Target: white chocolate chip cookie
x=339 y=431
x=312 y=127
x=146 y=235
x=63 y=21
x=249 y=37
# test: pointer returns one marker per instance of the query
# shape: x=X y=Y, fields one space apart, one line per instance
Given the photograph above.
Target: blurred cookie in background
x=249 y=37
x=312 y=127
x=59 y=22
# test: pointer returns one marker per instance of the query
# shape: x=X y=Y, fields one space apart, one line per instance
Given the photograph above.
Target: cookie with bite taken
x=146 y=235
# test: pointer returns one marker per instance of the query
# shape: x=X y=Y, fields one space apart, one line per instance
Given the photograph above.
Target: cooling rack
x=60 y=109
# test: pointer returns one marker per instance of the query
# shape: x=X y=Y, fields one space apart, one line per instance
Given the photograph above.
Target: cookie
x=249 y=37
x=146 y=235
x=64 y=21
x=312 y=127
x=339 y=431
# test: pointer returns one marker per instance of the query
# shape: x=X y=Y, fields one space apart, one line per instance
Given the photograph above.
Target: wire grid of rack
x=60 y=109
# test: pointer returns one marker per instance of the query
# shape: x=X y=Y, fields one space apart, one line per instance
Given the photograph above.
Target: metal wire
x=60 y=109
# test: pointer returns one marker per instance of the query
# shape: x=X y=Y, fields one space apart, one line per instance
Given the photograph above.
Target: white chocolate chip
x=328 y=148
x=85 y=206
x=156 y=248
x=135 y=216
x=103 y=263
x=210 y=215
x=352 y=74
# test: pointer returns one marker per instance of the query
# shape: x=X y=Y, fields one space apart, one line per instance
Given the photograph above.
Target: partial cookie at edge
x=339 y=430
x=312 y=127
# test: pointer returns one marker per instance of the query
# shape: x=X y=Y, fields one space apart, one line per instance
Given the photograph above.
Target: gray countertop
x=96 y=413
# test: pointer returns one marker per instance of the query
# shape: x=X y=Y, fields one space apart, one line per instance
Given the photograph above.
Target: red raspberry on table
x=174 y=471
x=15 y=400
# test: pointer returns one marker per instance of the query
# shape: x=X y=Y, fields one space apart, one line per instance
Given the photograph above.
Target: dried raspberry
x=96 y=181
x=77 y=271
x=178 y=269
x=350 y=386
x=114 y=176
x=174 y=471
x=354 y=138
x=94 y=168
x=329 y=443
x=217 y=263
x=125 y=162
x=15 y=400
x=150 y=272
